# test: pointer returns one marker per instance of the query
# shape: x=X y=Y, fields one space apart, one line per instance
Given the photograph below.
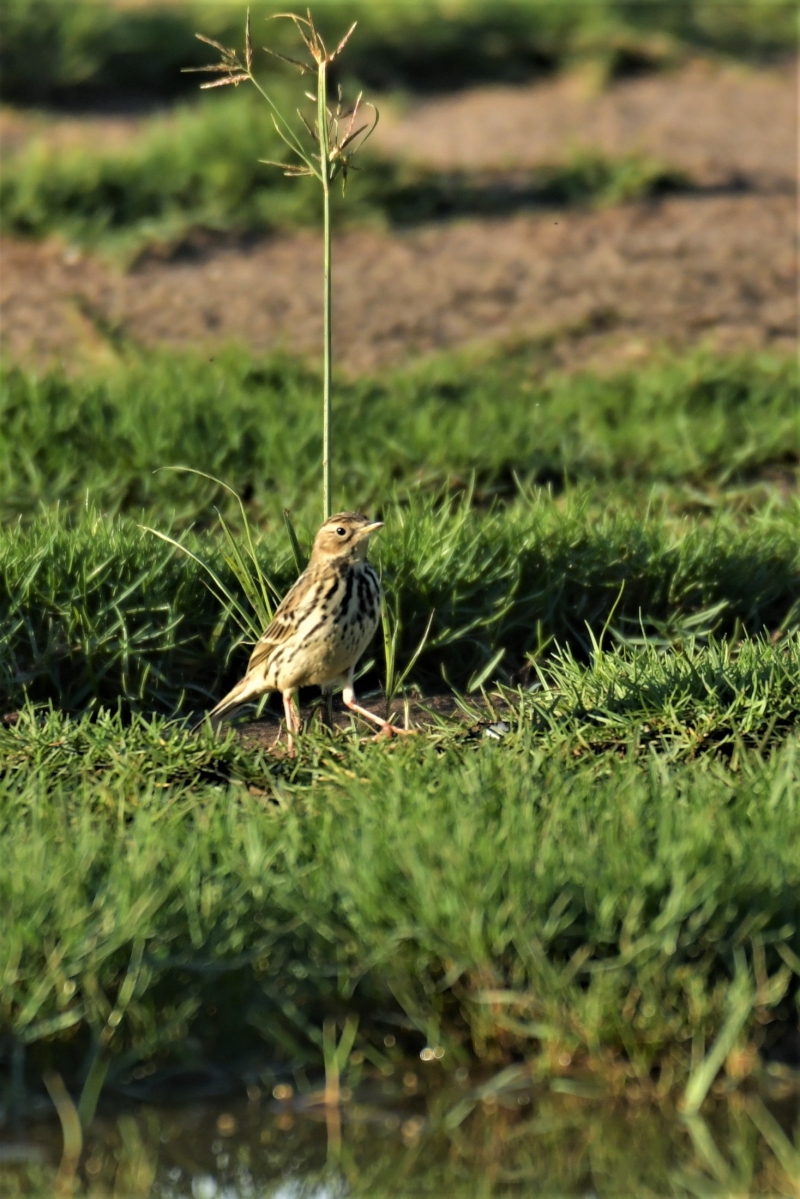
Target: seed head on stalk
x=335 y=138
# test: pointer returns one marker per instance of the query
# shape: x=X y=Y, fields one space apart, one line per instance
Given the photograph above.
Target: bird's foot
x=387 y=729
x=390 y=730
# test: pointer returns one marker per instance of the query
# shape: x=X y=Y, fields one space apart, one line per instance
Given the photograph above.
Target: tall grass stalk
x=334 y=142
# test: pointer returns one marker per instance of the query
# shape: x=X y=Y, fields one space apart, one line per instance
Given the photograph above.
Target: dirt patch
x=103 y=132
x=717 y=123
x=717 y=266
x=683 y=269
x=474 y=717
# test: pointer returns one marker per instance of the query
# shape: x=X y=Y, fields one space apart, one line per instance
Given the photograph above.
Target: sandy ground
x=717 y=264
x=720 y=124
x=717 y=268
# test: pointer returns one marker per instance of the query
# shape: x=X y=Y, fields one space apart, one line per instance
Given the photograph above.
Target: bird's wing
x=284 y=622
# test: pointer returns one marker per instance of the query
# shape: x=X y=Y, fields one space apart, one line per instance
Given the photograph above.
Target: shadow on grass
x=585 y=180
x=100 y=612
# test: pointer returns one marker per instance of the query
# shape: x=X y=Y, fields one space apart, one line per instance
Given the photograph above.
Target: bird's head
x=345 y=535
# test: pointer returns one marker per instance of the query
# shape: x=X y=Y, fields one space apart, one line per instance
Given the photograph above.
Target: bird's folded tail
x=241 y=694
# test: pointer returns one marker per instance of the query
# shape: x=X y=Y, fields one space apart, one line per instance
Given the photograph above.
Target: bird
x=320 y=629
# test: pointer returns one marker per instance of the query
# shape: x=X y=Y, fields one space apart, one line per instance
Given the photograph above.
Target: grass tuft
x=99 y=612
x=207 y=169
x=492 y=421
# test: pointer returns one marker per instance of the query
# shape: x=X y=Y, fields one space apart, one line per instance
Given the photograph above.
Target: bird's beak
x=373 y=528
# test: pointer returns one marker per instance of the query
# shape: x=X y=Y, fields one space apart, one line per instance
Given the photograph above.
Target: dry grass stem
x=334 y=143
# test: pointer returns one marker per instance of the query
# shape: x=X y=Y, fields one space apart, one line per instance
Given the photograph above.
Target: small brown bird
x=321 y=627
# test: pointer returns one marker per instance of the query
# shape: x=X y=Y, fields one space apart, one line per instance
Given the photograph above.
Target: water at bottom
x=398 y=1137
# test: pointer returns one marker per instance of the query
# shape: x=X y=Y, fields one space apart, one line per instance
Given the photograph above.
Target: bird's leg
x=292 y=721
x=327 y=695
x=387 y=729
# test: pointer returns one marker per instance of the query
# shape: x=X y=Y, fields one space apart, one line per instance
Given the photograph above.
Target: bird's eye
x=340 y=531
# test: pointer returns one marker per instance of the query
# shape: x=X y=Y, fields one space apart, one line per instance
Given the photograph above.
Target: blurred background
x=605 y=176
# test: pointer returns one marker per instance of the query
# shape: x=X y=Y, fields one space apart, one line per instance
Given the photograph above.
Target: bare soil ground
x=716 y=265
x=474 y=717
x=717 y=123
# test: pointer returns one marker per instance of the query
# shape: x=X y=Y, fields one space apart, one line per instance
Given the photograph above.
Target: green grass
x=493 y=420
x=617 y=906
x=98 y=611
x=606 y=894
x=198 y=171
x=94 y=610
x=56 y=50
x=717 y=697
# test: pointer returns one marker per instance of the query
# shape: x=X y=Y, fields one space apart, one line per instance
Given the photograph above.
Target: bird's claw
x=391 y=730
